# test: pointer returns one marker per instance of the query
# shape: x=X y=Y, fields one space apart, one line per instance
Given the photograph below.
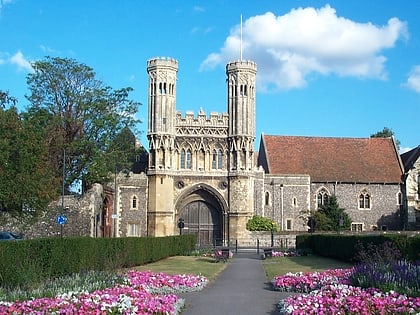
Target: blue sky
x=334 y=69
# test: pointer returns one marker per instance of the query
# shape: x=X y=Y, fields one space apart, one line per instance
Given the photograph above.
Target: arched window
x=188 y=160
x=182 y=159
x=219 y=159
x=214 y=160
x=399 y=198
x=364 y=200
x=267 y=198
x=323 y=197
x=134 y=202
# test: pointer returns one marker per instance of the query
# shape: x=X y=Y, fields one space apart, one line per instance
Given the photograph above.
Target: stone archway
x=202 y=211
x=203 y=219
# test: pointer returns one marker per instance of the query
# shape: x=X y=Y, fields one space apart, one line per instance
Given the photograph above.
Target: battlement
x=240 y=64
x=214 y=119
x=162 y=61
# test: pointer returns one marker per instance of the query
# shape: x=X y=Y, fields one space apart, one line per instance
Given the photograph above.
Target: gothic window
x=188 y=160
x=364 y=200
x=323 y=198
x=134 y=202
x=267 y=198
x=182 y=160
x=214 y=160
x=219 y=159
x=160 y=88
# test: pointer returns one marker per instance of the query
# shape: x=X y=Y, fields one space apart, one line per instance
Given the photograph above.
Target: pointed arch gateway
x=204 y=212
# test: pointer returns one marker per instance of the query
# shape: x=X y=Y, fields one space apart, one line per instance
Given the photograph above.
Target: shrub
x=259 y=223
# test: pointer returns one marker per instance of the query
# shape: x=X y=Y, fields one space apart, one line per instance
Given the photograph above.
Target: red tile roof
x=362 y=160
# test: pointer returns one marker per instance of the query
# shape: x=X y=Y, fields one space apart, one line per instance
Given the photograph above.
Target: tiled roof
x=351 y=160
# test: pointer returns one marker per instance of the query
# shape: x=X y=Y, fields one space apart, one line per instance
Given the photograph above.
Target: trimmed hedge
x=343 y=247
x=31 y=261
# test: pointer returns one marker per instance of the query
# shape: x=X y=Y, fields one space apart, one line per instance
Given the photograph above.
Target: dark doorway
x=203 y=219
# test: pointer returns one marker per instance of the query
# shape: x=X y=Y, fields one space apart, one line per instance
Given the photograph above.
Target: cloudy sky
x=332 y=69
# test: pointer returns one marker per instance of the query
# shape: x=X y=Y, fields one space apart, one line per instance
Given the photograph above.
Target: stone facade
x=202 y=170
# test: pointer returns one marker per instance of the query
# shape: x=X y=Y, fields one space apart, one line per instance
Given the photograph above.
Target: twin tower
x=201 y=169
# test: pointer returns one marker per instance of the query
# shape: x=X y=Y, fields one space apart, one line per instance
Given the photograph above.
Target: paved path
x=242 y=288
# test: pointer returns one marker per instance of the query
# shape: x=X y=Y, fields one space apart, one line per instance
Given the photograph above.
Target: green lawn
x=282 y=265
x=207 y=266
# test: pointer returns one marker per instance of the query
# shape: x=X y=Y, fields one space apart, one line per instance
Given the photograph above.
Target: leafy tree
x=386 y=133
x=26 y=180
x=6 y=99
x=331 y=217
x=82 y=115
x=259 y=223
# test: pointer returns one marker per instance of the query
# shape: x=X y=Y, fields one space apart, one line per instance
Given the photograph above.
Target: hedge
x=31 y=261
x=343 y=247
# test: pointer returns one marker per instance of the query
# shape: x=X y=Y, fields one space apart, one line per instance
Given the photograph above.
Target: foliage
x=259 y=223
x=27 y=182
x=331 y=217
x=381 y=267
x=382 y=254
x=7 y=99
x=386 y=133
x=47 y=258
x=82 y=115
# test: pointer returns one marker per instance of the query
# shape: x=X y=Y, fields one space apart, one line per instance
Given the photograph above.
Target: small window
x=134 y=202
x=364 y=201
x=399 y=198
x=294 y=202
x=267 y=198
x=357 y=227
x=289 y=224
x=133 y=229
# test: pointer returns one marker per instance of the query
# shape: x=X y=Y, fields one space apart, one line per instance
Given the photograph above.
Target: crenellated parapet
x=215 y=124
x=162 y=61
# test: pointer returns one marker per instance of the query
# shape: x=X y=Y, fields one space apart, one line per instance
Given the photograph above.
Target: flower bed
x=329 y=292
x=141 y=293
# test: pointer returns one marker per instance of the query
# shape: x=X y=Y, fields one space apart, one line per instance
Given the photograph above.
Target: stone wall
x=79 y=212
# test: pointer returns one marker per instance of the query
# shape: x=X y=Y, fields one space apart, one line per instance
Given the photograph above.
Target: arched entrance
x=202 y=211
x=204 y=220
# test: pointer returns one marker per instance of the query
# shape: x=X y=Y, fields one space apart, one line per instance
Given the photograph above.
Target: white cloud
x=22 y=63
x=288 y=48
x=413 y=81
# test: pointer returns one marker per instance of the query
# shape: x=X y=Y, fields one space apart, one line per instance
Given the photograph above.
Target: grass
x=205 y=266
x=277 y=266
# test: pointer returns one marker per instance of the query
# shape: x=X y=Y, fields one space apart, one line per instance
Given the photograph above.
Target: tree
x=6 y=99
x=331 y=217
x=386 y=133
x=83 y=117
x=26 y=179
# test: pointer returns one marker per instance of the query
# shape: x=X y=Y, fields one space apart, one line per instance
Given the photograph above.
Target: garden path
x=242 y=288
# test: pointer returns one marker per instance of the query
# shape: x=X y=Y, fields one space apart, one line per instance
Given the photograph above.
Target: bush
x=258 y=223
x=32 y=261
